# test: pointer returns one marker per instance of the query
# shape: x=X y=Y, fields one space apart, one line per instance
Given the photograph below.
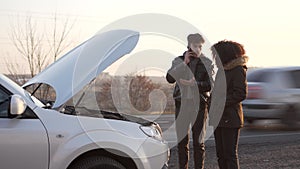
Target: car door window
x=4 y=103
x=295 y=81
x=4 y=100
x=259 y=76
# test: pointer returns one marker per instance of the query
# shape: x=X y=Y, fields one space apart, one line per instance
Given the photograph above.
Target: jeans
x=188 y=113
x=226 y=140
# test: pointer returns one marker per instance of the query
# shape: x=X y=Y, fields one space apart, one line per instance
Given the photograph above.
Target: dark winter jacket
x=235 y=73
x=197 y=68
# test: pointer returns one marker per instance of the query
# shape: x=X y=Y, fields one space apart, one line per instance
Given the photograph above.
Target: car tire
x=250 y=121
x=291 y=118
x=97 y=162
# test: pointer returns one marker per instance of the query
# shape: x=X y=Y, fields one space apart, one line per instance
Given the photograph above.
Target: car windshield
x=259 y=76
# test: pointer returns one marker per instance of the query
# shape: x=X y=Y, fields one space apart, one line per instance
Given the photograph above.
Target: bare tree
x=28 y=43
x=138 y=94
x=14 y=70
x=58 y=42
x=29 y=40
x=139 y=89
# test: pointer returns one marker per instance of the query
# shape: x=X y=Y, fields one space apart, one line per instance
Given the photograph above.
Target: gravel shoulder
x=274 y=152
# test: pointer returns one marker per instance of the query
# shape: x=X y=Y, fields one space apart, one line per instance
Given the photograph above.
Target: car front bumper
x=263 y=110
x=153 y=154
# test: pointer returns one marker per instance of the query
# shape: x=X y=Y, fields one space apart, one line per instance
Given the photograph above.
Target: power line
x=48 y=16
x=47 y=13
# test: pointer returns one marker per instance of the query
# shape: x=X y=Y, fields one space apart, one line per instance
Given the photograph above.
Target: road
x=265 y=144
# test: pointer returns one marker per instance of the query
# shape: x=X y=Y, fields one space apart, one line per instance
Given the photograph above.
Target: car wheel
x=97 y=162
x=291 y=118
x=250 y=121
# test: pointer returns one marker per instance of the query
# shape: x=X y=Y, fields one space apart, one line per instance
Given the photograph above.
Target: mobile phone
x=190 y=50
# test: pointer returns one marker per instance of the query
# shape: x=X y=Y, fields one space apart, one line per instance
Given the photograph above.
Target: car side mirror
x=17 y=105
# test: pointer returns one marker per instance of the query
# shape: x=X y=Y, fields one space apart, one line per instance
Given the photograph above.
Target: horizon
x=268 y=30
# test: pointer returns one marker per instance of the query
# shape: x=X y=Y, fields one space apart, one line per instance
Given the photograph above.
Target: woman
x=232 y=58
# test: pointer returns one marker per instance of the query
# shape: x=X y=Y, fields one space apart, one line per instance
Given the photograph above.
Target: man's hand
x=190 y=82
x=188 y=55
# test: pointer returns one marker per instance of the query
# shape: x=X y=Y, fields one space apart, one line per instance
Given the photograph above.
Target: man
x=192 y=74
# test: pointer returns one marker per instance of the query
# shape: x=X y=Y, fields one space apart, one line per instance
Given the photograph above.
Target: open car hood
x=80 y=66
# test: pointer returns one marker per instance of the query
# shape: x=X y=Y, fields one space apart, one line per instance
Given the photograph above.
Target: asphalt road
x=264 y=144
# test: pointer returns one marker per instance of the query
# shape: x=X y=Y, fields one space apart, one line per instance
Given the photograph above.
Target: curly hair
x=228 y=50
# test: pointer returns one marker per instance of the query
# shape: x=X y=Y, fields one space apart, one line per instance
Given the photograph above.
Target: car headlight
x=153 y=131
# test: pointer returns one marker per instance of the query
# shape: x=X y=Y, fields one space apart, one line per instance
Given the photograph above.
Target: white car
x=273 y=93
x=35 y=136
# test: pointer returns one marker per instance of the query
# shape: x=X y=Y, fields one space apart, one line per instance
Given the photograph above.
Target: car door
x=23 y=140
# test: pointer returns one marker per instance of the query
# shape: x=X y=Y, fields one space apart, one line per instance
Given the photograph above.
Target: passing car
x=38 y=136
x=273 y=93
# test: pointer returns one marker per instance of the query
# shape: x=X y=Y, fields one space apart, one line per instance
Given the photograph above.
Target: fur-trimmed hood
x=240 y=61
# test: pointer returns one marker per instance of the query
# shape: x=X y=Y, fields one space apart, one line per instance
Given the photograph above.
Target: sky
x=268 y=29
